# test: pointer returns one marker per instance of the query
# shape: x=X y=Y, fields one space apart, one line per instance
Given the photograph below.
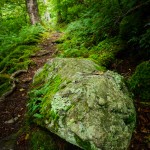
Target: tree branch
x=131 y=10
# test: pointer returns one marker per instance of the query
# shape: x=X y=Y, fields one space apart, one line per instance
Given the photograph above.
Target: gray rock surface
x=87 y=107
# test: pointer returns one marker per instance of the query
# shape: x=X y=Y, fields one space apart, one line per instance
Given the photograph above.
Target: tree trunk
x=46 y=14
x=32 y=8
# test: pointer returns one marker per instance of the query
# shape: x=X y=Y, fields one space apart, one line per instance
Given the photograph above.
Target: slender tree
x=32 y=8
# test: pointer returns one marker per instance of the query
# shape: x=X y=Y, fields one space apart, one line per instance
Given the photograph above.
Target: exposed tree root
x=13 y=82
x=41 y=54
x=4 y=69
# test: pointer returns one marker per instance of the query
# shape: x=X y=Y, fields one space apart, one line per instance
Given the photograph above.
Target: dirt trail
x=13 y=108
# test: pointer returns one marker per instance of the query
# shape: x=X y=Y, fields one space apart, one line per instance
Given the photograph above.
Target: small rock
x=9 y=121
x=19 y=116
x=12 y=120
x=16 y=118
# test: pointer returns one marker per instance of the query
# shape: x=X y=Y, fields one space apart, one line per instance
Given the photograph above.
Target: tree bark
x=32 y=8
x=46 y=14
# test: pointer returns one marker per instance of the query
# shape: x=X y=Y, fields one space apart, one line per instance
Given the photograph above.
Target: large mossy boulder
x=87 y=107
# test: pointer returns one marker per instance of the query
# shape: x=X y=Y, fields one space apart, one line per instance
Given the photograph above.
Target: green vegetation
x=40 y=97
x=17 y=41
x=97 y=30
x=85 y=144
x=17 y=48
x=42 y=140
x=139 y=82
x=108 y=31
x=105 y=31
x=101 y=30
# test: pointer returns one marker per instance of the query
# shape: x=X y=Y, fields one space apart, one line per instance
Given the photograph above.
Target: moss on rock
x=40 y=98
x=87 y=107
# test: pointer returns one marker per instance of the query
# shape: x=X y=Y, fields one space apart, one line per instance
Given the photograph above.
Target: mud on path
x=13 y=108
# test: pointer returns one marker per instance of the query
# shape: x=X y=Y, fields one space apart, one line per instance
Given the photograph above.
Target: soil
x=13 y=108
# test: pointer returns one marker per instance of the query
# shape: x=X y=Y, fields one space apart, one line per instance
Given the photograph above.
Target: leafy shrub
x=140 y=81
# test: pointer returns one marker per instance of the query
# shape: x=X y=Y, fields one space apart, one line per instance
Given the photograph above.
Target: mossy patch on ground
x=140 y=81
x=18 y=59
x=41 y=140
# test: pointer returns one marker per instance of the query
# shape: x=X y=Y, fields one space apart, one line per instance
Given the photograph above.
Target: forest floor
x=13 y=108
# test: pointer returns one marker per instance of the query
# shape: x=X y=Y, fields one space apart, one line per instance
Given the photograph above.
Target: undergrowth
x=16 y=50
x=45 y=143
x=42 y=139
x=40 y=99
x=139 y=81
x=102 y=53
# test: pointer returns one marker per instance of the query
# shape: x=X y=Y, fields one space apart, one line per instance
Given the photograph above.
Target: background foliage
x=104 y=30
x=17 y=40
x=98 y=30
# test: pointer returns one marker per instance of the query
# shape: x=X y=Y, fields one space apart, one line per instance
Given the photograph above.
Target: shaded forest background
x=105 y=31
x=115 y=34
